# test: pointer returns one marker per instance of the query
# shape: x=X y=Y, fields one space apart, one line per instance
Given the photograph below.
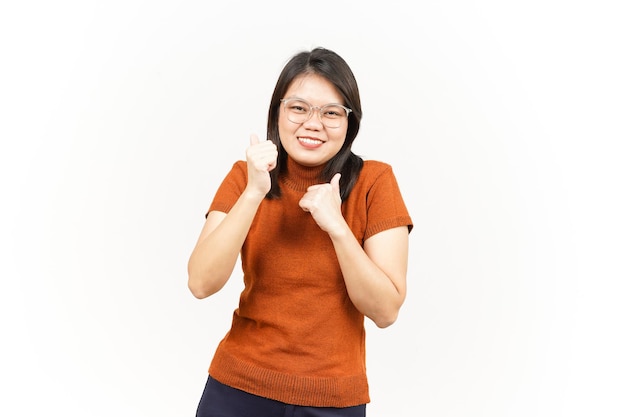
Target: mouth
x=310 y=142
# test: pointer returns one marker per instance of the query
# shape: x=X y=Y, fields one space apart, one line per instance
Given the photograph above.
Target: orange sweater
x=296 y=336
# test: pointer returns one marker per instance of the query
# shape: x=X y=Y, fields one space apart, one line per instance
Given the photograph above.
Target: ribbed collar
x=299 y=177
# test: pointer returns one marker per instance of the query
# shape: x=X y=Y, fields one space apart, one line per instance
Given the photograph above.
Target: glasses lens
x=297 y=111
x=333 y=115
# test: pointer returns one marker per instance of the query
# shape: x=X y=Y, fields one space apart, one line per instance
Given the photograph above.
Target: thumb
x=254 y=139
x=334 y=182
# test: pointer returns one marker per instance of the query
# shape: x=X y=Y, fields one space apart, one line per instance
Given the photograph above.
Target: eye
x=334 y=112
x=298 y=107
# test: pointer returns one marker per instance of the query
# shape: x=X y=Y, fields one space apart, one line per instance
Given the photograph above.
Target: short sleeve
x=385 y=206
x=230 y=189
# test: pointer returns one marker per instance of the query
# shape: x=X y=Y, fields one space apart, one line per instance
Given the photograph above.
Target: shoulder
x=240 y=166
x=378 y=175
x=375 y=174
x=374 y=165
x=373 y=169
x=237 y=176
x=238 y=170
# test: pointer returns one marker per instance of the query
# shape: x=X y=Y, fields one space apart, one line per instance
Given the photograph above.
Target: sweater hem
x=309 y=391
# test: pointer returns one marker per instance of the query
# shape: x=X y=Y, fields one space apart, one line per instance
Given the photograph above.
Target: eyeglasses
x=299 y=111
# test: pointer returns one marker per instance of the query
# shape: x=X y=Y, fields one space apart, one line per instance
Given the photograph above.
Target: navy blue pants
x=219 y=400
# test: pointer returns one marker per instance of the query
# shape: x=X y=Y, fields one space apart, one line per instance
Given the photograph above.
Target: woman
x=323 y=239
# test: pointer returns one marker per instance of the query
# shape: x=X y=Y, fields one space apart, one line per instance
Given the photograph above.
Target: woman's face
x=311 y=143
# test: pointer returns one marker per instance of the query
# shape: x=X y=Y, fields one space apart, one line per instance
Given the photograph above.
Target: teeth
x=311 y=141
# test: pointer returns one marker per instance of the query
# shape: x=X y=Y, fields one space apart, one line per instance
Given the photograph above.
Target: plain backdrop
x=503 y=121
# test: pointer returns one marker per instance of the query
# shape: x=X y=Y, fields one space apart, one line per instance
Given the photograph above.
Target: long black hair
x=331 y=66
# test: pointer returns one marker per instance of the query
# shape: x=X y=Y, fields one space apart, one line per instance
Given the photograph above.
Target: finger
x=304 y=204
x=334 y=182
x=254 y=139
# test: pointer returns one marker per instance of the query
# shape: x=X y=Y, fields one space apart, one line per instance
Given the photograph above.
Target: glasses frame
x=312 y=108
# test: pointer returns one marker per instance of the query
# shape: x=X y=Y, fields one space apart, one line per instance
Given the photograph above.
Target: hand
x=323 y=201
x=261 y=159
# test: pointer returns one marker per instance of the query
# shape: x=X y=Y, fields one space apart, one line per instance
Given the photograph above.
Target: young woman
x=323 y=240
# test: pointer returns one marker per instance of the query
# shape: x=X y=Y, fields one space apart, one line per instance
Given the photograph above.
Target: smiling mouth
x=309 y=141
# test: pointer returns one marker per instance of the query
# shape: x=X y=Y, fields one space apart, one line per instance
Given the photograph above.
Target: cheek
x=339 y=137
x=284 y=132
x=284 y=125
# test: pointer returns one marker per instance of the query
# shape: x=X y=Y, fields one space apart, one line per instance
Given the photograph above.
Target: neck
x=300 y=177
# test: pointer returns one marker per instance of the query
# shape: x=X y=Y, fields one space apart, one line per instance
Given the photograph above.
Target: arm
x=213 y=258
x=375 y=274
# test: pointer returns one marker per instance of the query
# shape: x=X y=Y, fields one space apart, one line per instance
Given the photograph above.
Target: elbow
x=384 y=318
x=205 y=279
x=201 y=288
x=385 y=321
x=388 y=316
x=383 y=314
x=198 y=291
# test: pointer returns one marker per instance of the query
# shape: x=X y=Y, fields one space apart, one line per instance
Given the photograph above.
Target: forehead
x=314 y=88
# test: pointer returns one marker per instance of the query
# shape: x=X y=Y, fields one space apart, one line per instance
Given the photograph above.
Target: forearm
x=370 y=289
x=213 y=259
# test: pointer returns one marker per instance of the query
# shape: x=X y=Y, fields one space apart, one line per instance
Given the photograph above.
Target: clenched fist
x=323 y=201
x=261 y=159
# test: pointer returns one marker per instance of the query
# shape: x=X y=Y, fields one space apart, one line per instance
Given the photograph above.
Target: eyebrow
x=306 y=101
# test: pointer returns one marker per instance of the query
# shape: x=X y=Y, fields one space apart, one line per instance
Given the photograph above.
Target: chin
x=308 y=163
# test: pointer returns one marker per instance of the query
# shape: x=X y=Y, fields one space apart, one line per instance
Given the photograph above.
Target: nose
x=313 y=121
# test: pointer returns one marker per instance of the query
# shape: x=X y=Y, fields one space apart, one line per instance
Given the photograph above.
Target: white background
x=504 y=122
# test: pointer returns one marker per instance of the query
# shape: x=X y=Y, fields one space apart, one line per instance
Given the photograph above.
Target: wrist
x=253 y=196
x=341 y=231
